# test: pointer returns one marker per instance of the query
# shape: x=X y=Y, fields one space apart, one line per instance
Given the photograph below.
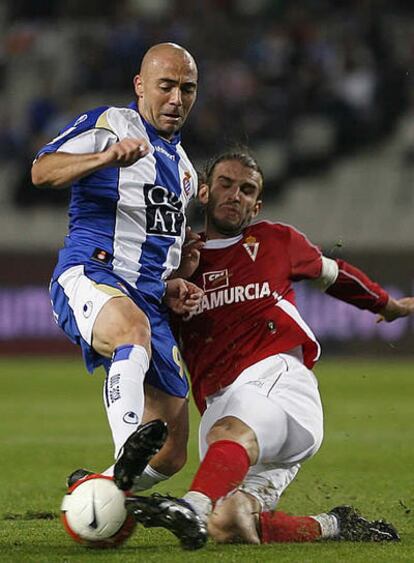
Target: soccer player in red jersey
x=250 y=354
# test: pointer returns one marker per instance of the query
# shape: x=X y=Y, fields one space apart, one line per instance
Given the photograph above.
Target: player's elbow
x=39 y=178
x=42 y=179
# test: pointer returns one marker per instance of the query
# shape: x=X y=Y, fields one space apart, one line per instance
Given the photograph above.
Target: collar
x=216 y=243
x=153 y=134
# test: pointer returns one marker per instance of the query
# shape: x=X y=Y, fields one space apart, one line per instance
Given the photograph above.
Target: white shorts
x=85 y=298
x=279 y=399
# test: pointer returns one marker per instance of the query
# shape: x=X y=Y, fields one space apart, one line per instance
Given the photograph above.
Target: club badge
x=252 y=247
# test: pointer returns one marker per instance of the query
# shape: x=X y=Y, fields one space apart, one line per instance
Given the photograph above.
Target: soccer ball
x=94 y=514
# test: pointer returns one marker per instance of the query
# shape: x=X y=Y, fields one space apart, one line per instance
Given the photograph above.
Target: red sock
x=222 y=470
x=281 y=527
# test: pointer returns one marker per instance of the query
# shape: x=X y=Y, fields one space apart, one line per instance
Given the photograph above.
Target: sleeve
x=88 y=133
x=305 y=257
x=356 y=288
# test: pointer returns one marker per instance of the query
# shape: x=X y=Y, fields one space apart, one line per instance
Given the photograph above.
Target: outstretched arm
x=396 y=308
x=60 y=169
x=353 y=286
x=344 y=281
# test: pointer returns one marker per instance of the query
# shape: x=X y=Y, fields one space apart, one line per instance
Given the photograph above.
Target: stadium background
x=323 y=95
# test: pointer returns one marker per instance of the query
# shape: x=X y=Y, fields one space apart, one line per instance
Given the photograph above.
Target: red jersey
x=248 y=311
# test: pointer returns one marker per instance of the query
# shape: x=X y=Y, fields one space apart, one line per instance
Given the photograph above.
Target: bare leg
x=235 y=519
x=174 y=411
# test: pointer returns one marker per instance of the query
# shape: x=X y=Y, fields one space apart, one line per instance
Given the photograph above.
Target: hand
x=126 y=152
x=190 y=256
x=396 y=308
x=182 y=296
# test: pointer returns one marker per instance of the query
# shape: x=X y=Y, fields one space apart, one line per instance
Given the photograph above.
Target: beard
x=226 y=227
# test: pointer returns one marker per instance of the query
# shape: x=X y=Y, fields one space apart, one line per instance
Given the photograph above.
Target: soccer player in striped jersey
x=250 y=356
x=131 y=181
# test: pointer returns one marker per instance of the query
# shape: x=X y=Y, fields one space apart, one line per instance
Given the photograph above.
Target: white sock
x=329 y=525
x=148 y=478
x=124 y=392
x=200 y=503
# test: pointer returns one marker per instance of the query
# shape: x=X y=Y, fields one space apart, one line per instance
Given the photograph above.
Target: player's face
x=232 y=199
x=166 y=92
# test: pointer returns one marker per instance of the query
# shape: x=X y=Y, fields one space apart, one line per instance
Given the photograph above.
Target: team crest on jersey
x=187 y=182
x=252 y=247
x=215 y=280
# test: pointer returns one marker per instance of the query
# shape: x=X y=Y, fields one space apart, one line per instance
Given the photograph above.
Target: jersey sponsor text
x=230 y=295
x=163 y=211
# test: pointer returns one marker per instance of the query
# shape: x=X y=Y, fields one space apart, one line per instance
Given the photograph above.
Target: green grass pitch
x=52 y=421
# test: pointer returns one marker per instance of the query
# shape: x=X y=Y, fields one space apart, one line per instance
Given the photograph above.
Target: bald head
x=163 y=51
x=166 y=87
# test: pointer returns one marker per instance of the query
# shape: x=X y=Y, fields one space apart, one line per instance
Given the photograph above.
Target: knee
x=232 y=428
x=221 y=526
x=118 y=324
x=131 y=326
x=267 y=420
x=131 y=332
x=234 y=520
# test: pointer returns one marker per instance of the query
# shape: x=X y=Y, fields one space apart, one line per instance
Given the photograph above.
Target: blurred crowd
x=301 y=82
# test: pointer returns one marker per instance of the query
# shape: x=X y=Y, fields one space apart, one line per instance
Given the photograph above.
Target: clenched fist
x=126 y=152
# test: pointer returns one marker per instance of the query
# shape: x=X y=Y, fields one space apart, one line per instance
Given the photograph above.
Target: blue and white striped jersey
x=131 y=219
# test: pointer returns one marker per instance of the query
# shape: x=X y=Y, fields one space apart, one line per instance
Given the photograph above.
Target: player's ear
x=257 y=208
x=203 y=194
x=138 y=87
